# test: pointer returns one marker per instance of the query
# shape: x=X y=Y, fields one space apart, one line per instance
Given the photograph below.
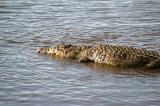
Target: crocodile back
x=122 y=55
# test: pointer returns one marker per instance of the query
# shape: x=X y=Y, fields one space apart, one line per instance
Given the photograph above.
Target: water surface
x=30 y=79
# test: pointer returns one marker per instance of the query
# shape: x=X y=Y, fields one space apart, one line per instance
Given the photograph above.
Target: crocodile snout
x=38 y=50
x=41 y=50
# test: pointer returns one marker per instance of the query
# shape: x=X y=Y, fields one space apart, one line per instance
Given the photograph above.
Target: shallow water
x=30 y=79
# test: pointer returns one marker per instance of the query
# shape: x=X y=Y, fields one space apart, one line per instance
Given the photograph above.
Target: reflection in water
x=30 y=79
x=109 y=69
x=125 y=71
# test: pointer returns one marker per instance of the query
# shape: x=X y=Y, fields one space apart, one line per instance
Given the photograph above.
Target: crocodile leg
x=154 y=64
x=84 y=60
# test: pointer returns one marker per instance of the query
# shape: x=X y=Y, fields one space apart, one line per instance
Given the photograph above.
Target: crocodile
x=111 y=55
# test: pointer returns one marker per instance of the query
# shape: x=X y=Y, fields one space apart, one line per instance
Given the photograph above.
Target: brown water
x=30 y=79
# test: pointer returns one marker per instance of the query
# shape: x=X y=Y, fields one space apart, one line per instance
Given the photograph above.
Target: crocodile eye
x=65 y=51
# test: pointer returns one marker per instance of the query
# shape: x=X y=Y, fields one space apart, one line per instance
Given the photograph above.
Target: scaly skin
x=106 y=54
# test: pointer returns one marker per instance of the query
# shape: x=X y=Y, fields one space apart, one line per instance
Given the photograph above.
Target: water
x=30 y=79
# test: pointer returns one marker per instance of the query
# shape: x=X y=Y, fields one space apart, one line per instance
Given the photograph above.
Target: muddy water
x=30 y=79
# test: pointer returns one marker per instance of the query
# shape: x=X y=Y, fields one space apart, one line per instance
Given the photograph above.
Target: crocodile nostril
x=38 y=50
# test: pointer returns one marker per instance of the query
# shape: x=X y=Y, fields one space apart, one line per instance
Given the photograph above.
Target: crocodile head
x=45 y=50
x=53 y=50
x=62 y=50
